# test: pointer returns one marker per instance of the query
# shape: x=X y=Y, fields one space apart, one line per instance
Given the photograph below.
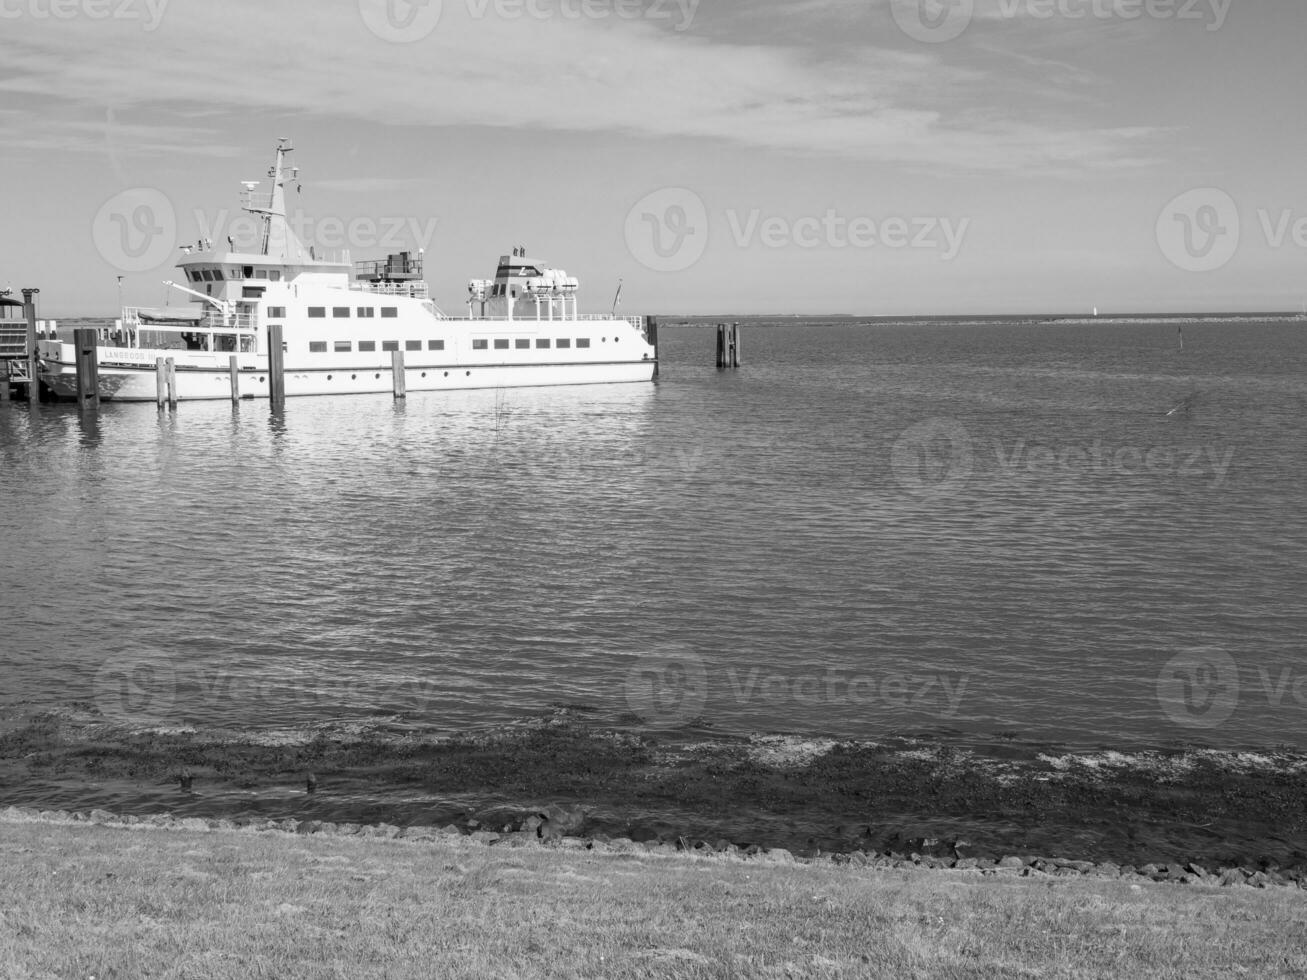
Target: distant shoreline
x=1033 y=320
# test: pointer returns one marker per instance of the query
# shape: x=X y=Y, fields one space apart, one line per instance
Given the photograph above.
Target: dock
x=18 y=333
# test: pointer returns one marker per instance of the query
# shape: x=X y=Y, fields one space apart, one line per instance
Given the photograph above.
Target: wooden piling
x=85 y=340
x=234 y=367
x=651 y=335
x=728 y=345
x=276 y=367
x=397 y=373
x=4 y=381
x=29 y=311
x=173 y=397
x=160 y=382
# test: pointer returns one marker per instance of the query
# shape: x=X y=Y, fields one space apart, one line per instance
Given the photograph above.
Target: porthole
x=378 y=375
x=469 y=374
x=447 y=374
x=328 y=377
x=424 y=374
x=353 y=377
x=260 y=381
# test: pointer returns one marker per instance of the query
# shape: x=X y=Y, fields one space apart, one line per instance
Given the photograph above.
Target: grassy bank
x=78 y=900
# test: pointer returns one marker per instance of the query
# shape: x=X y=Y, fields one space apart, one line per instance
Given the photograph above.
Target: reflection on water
x=866 y=529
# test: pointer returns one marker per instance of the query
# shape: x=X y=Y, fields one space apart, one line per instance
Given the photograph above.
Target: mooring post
x=397 y=373
x=651 y=335
x=160 y=382
x=735 y=345
x=721 y=345
x=4 y=381
x=234 y=367
x=29 y=311
x=88 y=367
x=276 y=367
x=173 y=397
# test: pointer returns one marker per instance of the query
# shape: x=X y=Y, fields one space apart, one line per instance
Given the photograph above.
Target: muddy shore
x=930 y=798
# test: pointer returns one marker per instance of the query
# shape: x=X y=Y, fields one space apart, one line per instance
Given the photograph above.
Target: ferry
x=340 y=323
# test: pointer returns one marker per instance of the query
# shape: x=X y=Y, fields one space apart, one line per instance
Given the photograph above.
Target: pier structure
x=18 y=332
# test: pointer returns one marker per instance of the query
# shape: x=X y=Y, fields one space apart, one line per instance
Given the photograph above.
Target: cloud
x=519 y=71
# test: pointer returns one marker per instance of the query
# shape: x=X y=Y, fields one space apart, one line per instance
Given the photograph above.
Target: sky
x=870 y=157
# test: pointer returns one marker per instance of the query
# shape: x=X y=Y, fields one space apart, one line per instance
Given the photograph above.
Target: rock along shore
x=534 y=832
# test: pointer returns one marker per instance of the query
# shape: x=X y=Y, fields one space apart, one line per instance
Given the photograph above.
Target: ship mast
x=272 y=207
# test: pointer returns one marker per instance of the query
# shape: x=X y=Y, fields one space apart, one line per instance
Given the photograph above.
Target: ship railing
x=209 y=320
x=214 y=331
x=414 y=290
x=389 y=268
x=638 y=323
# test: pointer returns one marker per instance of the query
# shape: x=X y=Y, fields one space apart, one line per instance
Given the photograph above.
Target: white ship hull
x=209 y=381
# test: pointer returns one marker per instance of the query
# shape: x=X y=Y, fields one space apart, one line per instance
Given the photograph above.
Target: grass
x=82 y=901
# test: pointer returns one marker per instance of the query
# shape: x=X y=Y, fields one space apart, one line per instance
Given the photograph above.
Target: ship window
x=582 y=341
x=389 y=312
x=435 y=345
x=412 y=345
x=206 y=275
x=501 y=345
x=261 y=274
x=343 y=347
x=367 y=346
x=543 y=343
x=367 y=312
x=340 y=312
x=563 y=342
x=480 y=344
x=317 y=347
x=390 y=345
x=192 y=275
x=276 y=312
x=217 y=275
x=317 y=312
x=275 y=275
x=252 y=292
x=522 y=344
x=249 y=272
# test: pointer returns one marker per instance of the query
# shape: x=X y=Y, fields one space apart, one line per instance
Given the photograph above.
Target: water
x=869 y=529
